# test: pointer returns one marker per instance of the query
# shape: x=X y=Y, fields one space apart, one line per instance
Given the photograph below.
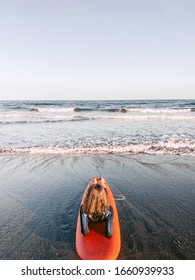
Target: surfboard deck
x=96 y=246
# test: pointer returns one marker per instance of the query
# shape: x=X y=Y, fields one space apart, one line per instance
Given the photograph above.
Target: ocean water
x=98 y=127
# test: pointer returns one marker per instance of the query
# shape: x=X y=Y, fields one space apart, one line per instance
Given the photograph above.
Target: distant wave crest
x=49 y=119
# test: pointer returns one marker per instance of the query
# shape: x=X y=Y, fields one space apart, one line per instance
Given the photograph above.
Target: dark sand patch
x=40 y=197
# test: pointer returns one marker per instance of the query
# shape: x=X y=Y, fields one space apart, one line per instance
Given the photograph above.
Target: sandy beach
x=40 y=198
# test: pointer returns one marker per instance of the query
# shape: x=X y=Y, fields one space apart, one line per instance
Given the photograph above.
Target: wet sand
x=40 y=198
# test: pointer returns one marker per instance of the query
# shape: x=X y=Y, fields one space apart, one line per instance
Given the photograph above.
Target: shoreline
x=40 y=198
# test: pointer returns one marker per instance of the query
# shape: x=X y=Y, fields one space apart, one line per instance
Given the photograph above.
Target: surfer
x=96 y=208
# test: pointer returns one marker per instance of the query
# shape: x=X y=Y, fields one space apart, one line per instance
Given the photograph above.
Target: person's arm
x=84 y=222
x=110 y=222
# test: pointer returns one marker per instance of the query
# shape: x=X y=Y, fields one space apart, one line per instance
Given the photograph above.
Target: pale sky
x=97 y=49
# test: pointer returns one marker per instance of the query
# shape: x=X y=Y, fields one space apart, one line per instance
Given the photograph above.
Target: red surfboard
x=96 y=246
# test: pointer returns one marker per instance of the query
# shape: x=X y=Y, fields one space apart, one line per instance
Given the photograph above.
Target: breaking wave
x=172 y=147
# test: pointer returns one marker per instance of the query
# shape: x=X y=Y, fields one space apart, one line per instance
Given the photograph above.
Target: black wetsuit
x=106 y=216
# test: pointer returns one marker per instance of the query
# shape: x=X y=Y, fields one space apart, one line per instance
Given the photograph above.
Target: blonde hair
x=95 y=201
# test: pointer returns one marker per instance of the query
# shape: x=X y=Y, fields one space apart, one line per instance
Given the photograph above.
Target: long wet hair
x=96 y=201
